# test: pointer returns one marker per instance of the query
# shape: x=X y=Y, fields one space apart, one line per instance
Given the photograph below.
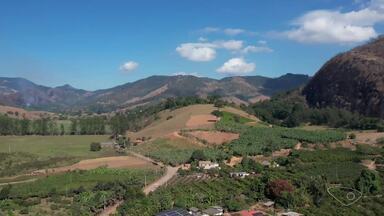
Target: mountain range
x=23 y=93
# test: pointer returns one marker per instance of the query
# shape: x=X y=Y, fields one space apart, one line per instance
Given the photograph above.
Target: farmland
x=21 y=154
x=173 y=151
x=76 y=191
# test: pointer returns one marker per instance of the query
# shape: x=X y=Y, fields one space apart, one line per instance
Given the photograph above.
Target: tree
x=95 y=146
x=198 y=155
x=62 y=130
x=277 y=187
x=368 y=182
x=4 y=192
x=73 y=126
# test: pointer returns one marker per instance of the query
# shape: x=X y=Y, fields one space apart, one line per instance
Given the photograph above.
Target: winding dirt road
x=170 y=172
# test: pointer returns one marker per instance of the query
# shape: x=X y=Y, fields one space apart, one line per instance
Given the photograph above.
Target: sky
x=96 y=44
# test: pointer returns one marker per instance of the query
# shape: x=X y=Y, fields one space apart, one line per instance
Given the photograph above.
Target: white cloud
x=197 y=51
x=229 y=44
x=257 y=49
x=236 y=66
x=129 y=66
x=233 y=31
x=328 y=26
x=206 y=51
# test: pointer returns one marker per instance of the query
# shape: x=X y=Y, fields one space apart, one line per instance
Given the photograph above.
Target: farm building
x=174 y=212
x=213 y=211
x=208 y=165
x=268 y=204
x=289 y=214
x=238 y=174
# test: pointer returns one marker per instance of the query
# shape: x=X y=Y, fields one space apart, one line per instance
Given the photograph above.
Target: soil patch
x=215 y=137
x=201 y=120
x=110 y=162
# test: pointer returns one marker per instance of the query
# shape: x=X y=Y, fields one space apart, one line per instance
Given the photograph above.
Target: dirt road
x=171 y=172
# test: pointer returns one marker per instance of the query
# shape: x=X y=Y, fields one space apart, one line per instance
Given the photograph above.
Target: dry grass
x=178 y=121
x=22 y=113
x=110 y=162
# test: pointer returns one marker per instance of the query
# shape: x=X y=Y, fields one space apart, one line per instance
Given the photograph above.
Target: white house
x=207 y=165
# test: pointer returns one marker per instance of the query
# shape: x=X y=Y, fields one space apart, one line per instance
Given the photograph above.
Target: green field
x=173 y=152
x=21 y=154
x=52 y=146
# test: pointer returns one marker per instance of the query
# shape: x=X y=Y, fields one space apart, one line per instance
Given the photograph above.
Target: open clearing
x=199 y=121
x=368 y=137
x=177 y=120
x=109 y=162
x=194 y=116
x=214 y=137
x=54 y=146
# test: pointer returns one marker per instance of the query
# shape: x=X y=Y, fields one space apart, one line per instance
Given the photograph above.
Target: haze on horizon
x=99 y=44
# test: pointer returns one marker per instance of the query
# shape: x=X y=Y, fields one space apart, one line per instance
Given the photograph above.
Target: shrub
x=95 y=147
x=169 y=117
x=352 y=136
x=380 y=140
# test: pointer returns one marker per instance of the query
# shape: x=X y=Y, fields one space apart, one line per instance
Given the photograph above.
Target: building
x=289 y=214
x=268 y=204
x=174 y=212
x=238 y=174
x=186 y=166
x=207 y=165
x=213 y=211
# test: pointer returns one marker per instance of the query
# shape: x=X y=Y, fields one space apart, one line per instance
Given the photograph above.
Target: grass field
x=22 y=154
x=53 y=146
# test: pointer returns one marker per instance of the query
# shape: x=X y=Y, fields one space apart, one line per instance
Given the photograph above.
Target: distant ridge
x=23 y=93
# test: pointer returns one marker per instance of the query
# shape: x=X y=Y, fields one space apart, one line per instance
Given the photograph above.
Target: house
x=213 y=211
x=207 y=165
x=268 y=204
x=238 y=174
x=290 y=213
x=173 y=212
x=194 y=211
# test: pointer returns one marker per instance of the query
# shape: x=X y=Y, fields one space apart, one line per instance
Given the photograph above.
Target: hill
x=353 y=80
x=20 y=92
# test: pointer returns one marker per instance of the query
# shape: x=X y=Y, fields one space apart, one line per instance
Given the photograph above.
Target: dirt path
x=111 y=210
x=171 y=172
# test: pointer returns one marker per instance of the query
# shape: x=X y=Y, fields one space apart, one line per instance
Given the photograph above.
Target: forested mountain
x=23 y=93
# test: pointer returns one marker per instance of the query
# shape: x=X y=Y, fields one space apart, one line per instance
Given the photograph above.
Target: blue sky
x=93 y=44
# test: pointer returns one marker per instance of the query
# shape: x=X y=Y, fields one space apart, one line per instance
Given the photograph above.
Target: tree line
x=292 y=110
x=48 y=126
